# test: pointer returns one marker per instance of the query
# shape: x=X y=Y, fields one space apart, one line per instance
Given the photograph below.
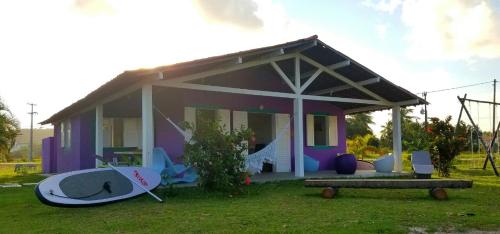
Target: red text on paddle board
x=140 y=178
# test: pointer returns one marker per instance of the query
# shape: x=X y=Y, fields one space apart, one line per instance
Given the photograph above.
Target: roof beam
x=345 y=80
x=263 y=93
x=408 y=102
x=378 y=108
x=366 y=109
x=284 y=76
x=331 y=67
x=345 y=87
x=225 y=89
x=308 y=82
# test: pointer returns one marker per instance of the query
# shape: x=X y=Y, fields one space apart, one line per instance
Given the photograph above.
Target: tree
x=359 y=125
x=9 y=129
x=413 y=133
x=446 y=143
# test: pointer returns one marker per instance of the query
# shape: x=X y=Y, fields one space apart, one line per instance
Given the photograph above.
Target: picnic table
x=30 y=166
x=130 y=155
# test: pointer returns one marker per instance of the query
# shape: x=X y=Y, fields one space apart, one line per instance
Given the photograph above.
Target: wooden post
x=147 y=126
x=99 y=136
x=396 y=138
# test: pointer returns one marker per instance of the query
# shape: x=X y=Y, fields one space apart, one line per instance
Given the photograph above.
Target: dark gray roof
x=311 y=47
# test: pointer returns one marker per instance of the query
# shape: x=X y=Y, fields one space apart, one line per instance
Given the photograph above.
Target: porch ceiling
x=250 y=61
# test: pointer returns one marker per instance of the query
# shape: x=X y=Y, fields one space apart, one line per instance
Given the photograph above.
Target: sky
x=55 y=52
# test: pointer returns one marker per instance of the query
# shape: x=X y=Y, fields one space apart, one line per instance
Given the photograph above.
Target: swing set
x=495 y=128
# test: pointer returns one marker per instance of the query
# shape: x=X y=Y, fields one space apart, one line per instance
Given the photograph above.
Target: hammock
x=253 y=162
x=186 y=134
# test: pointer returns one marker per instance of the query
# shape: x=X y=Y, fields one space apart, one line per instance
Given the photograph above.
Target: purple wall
x=48 y=155
x=172 y=101
x=79 y=154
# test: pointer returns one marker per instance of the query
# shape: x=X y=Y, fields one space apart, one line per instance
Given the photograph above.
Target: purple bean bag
x=345 y=164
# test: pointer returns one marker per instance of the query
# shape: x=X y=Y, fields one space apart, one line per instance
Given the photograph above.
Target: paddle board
x=96 y=186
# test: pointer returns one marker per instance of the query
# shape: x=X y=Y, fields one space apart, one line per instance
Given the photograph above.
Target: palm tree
x=359 y=125
x=9 y=129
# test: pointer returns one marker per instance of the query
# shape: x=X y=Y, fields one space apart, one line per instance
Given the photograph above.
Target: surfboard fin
x=107 y=186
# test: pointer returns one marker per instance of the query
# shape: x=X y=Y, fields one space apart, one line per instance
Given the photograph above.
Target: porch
x=284 y=176
x=326 y=174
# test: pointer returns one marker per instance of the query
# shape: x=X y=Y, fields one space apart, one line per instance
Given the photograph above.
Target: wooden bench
x=18 y=167
x=436 y=186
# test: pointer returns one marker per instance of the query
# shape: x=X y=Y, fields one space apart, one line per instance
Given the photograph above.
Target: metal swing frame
x=489 y=147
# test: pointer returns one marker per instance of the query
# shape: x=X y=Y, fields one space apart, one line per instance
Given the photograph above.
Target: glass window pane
x=320 y=130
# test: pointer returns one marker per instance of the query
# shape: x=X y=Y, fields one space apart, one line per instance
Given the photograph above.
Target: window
x=66 y=134
x=122 y=132
x=321 y=130
x=320 y=133
x=206 y=115
x=195 y=115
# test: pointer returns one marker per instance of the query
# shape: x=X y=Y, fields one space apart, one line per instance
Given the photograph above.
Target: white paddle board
x=97 y=186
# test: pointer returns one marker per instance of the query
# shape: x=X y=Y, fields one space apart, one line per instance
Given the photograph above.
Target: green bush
x=362 y=146
x=218 y=156
x=446 y=142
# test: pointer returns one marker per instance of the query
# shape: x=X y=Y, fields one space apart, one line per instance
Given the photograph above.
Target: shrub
x=446 y=142
x=218 y=156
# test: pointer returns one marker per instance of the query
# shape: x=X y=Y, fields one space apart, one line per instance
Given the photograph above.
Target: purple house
x=302 y=89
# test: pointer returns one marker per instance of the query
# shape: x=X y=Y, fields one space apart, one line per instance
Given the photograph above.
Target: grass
x=271 y=207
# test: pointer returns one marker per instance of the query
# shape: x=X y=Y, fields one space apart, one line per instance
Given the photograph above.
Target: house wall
x=172 y=102
x=48 y=155
x=80 y=154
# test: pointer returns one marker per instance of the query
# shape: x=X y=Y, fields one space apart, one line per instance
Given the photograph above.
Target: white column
x=147 y=126
x=396 y=138
x=99 y=136
x=298 y=124
x=298 y=137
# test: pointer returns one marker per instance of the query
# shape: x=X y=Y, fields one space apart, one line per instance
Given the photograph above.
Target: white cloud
x=236 y=12
x=388 y=6
x=54 y=53
x=93 y=7
x=381 y=30
x=449 y=29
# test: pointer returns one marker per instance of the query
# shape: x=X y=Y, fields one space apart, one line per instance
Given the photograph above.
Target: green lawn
x=272 y=207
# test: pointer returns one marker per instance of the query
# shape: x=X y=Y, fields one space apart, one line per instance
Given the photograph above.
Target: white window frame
x=66 y=134
x=331 y=124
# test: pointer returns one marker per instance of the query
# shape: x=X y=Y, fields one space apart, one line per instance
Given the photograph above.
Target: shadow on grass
x=29 y=178
x=387 y=194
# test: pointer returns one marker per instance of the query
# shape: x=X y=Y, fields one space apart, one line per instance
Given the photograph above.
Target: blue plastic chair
x=310 y=164
x=171 y=173
x=384 y=164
